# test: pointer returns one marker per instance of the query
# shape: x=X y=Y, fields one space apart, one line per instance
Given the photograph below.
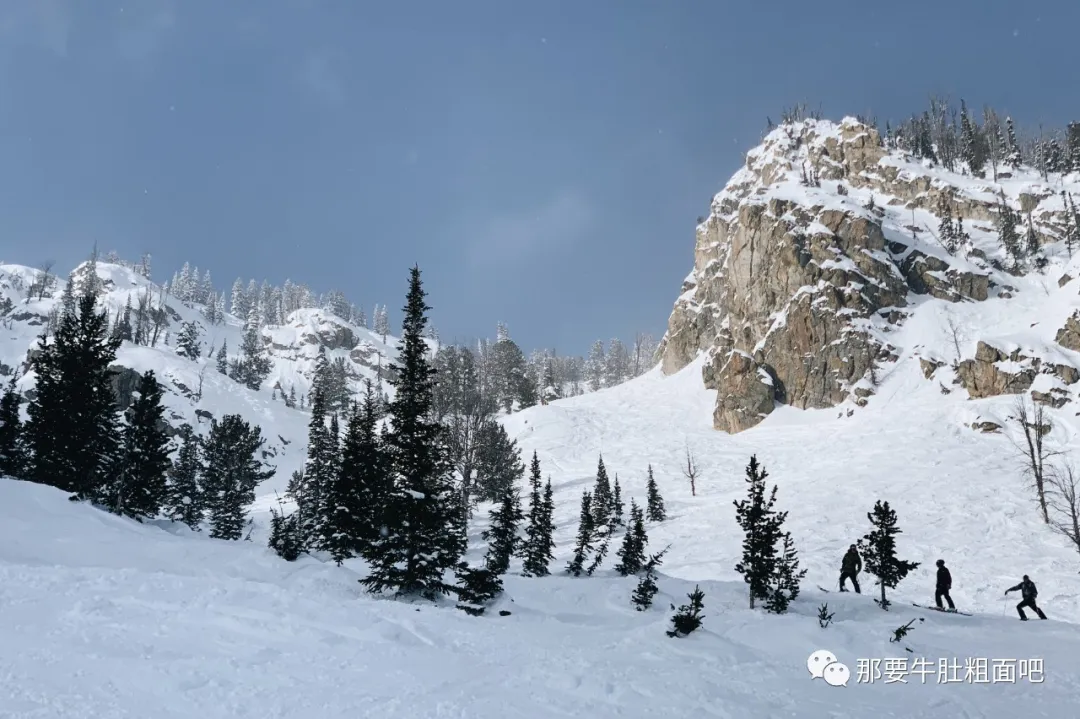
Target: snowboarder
x=1028 y=592
x=944 y=584
x=850 y=568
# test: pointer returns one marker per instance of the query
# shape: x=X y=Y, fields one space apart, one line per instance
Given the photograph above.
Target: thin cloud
x=319 y=74
x=137 y=29
x=516 y=238
x=46 y=23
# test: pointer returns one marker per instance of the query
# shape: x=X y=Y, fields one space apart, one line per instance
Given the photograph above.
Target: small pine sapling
x=786 y=578
x=654 y=511
x=688 y=617
x=824 y=616
x=900 y=632
x=646 y=589
x=878 y=549
x=476 y=587
x=632 y=552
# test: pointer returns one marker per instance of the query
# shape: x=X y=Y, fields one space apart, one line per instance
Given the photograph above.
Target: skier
x=850 y=568
x=1028 y=592
x=944 y=584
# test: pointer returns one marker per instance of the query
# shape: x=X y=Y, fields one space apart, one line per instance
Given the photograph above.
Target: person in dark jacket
x=1028 y=592
x=944 y=584
x=850 y=568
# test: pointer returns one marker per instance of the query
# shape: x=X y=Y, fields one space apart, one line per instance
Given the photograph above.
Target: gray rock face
x=802 y=292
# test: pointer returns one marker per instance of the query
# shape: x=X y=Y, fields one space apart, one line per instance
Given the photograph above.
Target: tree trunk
x=883 y=602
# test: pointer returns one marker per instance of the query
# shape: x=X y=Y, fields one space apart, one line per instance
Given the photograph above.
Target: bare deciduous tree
x=690 y=471
x=956 y=337
x=1035 y=424
x=1064 y=500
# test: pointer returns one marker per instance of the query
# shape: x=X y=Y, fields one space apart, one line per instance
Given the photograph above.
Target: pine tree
x=946 y=227
x=688 y=617
x=424 y=520
x=284 y=534
x=497 y=462
x=1007 y=233
x=761 y=526
x=601 y=497
x=646 y=589
x=12 y=441
x=502 y=535
x=617 y=507
x=786 y=579
x=187 y=343
x=138 y=485
x=223 y=358
x=362 y=487
x=538 y=545
x=655 y=511
x=316 y=477
x=476 y=586
x=632 y=553
x=1012 y=148
x=231 y=471
x=585 y=536
x=185 y=499
x=878 y=549
x=1031 y=239
x=72 y=430
x=253 y=366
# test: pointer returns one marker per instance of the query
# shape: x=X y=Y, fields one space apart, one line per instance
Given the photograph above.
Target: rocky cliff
x=820 y=247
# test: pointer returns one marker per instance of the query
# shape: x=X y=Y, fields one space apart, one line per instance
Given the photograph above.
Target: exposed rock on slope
x=810 y=256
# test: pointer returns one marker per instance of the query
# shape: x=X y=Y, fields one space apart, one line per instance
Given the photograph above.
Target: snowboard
x=920 y=606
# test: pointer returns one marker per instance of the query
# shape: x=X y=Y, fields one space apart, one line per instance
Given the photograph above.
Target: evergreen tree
x=786 y=578
x=646 y=589
x=424 y=520
x=537 y=550
x=73 y=424
x=123 y=329
x=315 y=480
x=186 y=502
x=362 y=487
x=601 y=497
x=12 y=441
x=497 y=462
x=253 y=366
x=223 y=358
x=617 y=506
x=1012 y=148
x=138 y=485
x=632 y=553
x=946 y=227
x=585 y=536
x=476 y=586
x=761 y=526
x=231 y=471
x=688 y=617
x=878 y=549
x=1031 y=239
x=502 y=535
x=1007 y=233
x=284 y=534
x=187 y=343
x=655 y=511
x=595 y=366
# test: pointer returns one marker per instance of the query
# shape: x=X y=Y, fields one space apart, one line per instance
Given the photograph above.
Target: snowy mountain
x=196 y=391
x=833 y=325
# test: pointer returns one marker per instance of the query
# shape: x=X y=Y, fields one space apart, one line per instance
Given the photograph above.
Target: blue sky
x=543 y=162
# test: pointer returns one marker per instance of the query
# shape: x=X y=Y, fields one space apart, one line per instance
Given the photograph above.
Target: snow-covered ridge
x=195 y=390
x=827 y=240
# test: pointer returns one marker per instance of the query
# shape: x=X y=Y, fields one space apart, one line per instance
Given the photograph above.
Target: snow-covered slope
x=103 y=617
x=292 y=348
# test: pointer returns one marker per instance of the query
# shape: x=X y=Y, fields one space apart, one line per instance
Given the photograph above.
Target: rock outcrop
x=802 y=269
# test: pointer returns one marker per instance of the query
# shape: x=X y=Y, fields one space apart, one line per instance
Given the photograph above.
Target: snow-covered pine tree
x=425 y=522
x=240 y=304
x=73 y=427
x=585 y=536
x=761 y=526
x=595 y=366
x=786 y=579
x=646 y=589
x=878 y=549
x=655 y=511
x=601 y=497
x=187 y=343
x=688 y=617
x=185 y=498
x=1031 y=239
x=946 y=227
x=12 y=442
x=1010 y=239
x=632 y=552
x=231 y=471
x=253 y=366
x=382 y=322
x=502 y=534
x=617 y=506
x=1012 y=147
x=317 y=476
x=222 y=358
x=219 y=309
x=476 y=586
x=137 y=487
x=538 y=545
x=284 y=534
